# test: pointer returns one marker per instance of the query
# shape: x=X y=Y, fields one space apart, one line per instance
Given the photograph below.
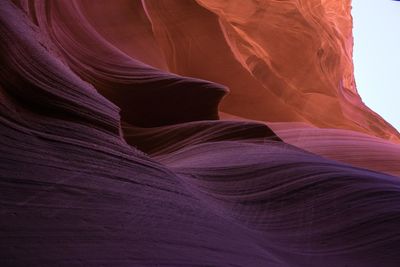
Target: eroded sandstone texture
x=190 y=133
x=282 y=60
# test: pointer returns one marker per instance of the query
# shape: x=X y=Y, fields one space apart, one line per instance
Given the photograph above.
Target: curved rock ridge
x=292 y=199
x=351 y=147
x=167 y=183
x=287 y=61
x=125 y=81
x=355 y=148
x=38 y=82
x=177 y=36
x=167 y=139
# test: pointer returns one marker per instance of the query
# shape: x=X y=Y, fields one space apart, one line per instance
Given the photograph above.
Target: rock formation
x=190 y=133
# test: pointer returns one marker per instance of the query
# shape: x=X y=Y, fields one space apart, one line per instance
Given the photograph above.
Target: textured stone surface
x=283 y=61
x=112 y=156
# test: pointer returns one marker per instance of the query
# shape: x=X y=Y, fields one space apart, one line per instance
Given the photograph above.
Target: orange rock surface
x=283 y=61
x=190 y=133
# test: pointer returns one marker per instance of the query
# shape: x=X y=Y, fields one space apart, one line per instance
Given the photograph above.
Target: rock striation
x=190 y=133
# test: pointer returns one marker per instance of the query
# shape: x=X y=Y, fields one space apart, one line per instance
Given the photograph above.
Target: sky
x=376 y=55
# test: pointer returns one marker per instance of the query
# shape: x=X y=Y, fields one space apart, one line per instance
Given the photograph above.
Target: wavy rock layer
x=351 y=147
x=286 y=61
x=168 y=184
x=125 y=81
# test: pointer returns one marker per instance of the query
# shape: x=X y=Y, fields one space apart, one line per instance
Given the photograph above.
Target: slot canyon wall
x=190 y=133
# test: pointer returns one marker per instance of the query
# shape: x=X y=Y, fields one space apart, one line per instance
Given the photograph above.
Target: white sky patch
x=377 y=56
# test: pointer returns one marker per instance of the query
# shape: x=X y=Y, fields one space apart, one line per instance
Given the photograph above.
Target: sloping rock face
x=283 y=61
x=112 y=156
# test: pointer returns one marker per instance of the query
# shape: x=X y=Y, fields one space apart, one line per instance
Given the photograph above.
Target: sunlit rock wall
x=282 y=60
x=184 y=133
